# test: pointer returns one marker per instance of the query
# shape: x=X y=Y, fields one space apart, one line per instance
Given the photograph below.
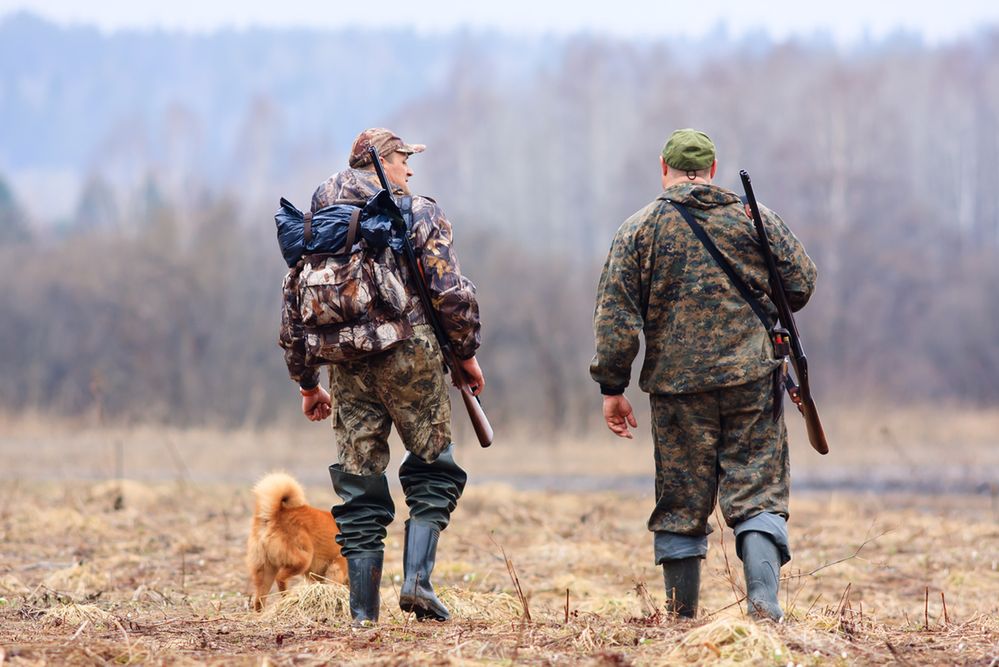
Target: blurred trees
x=13 y=220
x=884 y=162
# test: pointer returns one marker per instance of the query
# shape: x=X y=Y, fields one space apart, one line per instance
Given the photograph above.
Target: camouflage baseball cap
x=689 y=150
x=384 y=141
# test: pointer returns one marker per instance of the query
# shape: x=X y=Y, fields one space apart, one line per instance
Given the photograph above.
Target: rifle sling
x=723 y=263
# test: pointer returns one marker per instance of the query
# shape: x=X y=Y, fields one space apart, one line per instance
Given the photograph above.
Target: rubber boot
x=761 y=564
x=362 y=519
x=365 y=576
x=417 y=594
x=683 y=584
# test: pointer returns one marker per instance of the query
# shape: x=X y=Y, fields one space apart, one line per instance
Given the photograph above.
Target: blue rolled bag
x=328 y=227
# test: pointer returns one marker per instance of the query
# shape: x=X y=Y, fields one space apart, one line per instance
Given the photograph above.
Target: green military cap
x=689 y=150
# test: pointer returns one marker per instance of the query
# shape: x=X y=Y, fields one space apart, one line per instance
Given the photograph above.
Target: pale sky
x=846 y=20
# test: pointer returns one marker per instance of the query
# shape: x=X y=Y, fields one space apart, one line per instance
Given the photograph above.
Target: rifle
x=800 y=394
x=480 y=423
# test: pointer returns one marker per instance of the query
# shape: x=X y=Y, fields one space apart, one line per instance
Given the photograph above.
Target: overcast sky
x=846 y=20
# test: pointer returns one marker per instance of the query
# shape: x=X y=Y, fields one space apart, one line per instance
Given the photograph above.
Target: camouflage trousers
x=405 y=386
x=718 y=445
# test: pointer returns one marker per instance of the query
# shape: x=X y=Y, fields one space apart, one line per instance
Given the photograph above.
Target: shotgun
x=800 y=394
x=480 y=423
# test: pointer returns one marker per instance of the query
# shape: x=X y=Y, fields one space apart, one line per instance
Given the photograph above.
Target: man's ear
x=663 y=165
x=714 y=168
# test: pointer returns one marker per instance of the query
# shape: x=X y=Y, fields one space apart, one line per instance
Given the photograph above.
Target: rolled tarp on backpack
x=329 y=229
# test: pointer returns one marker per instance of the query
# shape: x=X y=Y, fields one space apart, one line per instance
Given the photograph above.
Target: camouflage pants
x=718 y=445
x=405 y=386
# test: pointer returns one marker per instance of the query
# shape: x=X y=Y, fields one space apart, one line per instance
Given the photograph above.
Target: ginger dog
x=288 y=538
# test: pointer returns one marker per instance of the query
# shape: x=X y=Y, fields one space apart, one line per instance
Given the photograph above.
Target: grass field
x=158 y=577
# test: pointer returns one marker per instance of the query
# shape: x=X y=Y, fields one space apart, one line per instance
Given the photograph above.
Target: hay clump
x=731 y=642
x=311 y=601
x=132 y=494
x=77 y=580
x=11 y=585
x=481 y=606
x=77 y=614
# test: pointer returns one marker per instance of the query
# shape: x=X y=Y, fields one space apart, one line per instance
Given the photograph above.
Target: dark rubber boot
x=683 y=584
x=365 y=580
x=761 y=564
x=417 y=594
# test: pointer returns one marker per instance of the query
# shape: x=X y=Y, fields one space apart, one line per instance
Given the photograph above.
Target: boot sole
x=420 y=607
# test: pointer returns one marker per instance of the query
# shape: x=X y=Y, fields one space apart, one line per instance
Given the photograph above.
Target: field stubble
x=96 y=571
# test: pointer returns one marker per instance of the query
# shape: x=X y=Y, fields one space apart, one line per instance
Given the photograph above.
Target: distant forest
x=152 y=292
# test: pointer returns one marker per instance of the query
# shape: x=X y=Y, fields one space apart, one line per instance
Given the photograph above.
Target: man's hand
x=473 y=374
x=618 y=415
x=317 y=406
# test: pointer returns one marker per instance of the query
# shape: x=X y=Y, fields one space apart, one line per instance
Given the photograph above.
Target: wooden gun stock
x=480 y=423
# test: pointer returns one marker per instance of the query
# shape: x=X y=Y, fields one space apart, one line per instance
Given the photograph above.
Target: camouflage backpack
x=352 y=302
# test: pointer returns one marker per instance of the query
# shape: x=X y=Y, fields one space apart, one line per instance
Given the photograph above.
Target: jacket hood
x=700 y=195
x=354 y=184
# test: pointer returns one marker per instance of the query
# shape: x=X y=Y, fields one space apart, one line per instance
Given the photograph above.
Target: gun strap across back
x=723 y=263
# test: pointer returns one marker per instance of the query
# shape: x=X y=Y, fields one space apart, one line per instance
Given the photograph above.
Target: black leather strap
x=308 y=228
x=712 y=249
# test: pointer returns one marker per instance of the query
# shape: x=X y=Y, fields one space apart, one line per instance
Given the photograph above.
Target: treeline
x=884 y=162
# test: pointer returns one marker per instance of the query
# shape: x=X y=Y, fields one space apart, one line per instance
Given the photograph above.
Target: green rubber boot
x=683 y=584
x=761 y=565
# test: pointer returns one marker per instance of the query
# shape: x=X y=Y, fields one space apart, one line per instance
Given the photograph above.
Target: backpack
x=351 y=300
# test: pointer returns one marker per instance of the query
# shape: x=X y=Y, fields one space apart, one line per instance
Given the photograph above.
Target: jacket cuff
x=608 y=390
x=308 y=383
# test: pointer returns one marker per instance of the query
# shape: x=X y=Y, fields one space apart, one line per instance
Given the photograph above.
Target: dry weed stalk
x=515 y=579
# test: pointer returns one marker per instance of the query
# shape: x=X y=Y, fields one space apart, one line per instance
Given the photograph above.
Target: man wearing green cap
x=709 y=366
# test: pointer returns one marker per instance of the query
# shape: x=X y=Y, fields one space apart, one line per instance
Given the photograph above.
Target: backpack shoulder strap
x=720 y=260
x=355 y=217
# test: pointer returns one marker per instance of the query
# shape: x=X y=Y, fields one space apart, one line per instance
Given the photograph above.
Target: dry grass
x=149 y=569
x=83 y=583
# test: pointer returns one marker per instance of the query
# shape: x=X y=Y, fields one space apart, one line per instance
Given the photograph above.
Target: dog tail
x=275 y=492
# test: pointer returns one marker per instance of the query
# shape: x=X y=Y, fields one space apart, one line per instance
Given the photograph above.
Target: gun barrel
x=816 y=434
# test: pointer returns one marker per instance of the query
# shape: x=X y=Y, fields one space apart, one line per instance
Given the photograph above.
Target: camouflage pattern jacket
x=452 y=294
x=700 y=334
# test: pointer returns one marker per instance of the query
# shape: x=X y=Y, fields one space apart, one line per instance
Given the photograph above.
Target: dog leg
x=283 y=575
x=263 y=579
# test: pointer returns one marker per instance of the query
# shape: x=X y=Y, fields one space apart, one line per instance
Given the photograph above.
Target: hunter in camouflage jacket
x=700 y=334
x=452 y=294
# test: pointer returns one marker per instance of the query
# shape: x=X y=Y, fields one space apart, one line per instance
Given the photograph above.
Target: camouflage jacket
x=452 y=294
x=700 y=334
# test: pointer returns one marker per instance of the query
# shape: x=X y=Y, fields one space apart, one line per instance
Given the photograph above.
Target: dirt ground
x=152 y=573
